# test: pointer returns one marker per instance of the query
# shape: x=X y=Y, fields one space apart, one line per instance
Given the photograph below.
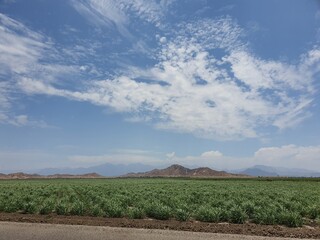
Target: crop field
x=290 y=203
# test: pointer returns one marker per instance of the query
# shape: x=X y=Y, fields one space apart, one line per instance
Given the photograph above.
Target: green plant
x=77 y=208
x=46 y=207
x=266 y=217
x=158 y=211
x=96 y=211
x=114 y=210
x=11 y=206
x=286 y=201
x=29 y=207
x=290 y=219
x=249 y=208
x=237 y=215
x=313 y=212
x=62 y=209
x=182 y=215
x=208 y=214
x=2 y=206
x=136 y=213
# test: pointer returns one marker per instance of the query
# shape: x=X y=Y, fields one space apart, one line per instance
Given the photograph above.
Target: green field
x=291 y=202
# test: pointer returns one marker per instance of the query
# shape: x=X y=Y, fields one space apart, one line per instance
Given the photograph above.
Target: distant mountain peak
x=267 y=171
x=177 y=170
x=177 y=166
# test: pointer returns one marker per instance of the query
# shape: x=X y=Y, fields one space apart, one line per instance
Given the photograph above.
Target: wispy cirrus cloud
x=208 y=83
x=4 y=101
x=7 y=116
x=4 y=98
x=126 y=21
x=26 y=53
x=206 y=80
x=118 y=13
x=25 y=121
x=20 y=47
x=20 y=50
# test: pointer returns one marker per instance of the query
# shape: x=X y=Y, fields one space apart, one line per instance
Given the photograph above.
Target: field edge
x=194 y=226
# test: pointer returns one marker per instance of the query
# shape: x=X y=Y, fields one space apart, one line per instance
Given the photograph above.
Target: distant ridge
x=176 y=170
x=267 y=171
x=21 y=175
x=106 y=169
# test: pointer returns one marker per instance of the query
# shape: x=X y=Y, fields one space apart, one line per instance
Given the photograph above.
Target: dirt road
x=36 y=231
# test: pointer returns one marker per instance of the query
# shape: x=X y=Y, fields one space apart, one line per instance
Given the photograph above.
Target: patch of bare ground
x=194 y=226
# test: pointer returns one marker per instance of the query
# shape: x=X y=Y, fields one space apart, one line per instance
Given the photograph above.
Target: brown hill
x=2 y=175
x=21 y=175
x=180 y=171
x=87 y=175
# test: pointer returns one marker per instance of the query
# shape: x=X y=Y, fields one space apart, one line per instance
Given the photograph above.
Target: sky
x=225 y=84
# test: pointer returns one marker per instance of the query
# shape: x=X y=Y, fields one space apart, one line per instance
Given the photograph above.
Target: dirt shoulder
x=194 y=226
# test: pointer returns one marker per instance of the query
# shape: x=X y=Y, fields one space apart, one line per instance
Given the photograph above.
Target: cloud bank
x=287 y=156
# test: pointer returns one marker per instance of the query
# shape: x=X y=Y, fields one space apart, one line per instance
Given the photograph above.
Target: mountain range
x=176 y=170
x=267 y=171
x=107 y=169
x=114 y=170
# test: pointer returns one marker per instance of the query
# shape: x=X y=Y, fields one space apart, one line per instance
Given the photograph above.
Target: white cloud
x=4 y=98
x=22 y=52
x=151 y=11
x=287 y=89
x=23 y=120
x=5 y=102
x=163 y=40
x=20 y=48
x=103 y=13
x=306 y=157
x=171 y=155
x=211 y=154
x=207 y=83
x=118 y=12
x=288 y=156
x=27 y=53
x=213 y=159
x=151 y=158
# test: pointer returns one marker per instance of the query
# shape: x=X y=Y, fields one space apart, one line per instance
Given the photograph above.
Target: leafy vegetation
x=290 y=203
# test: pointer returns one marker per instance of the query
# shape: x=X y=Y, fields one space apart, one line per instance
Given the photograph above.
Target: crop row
x=287 y=203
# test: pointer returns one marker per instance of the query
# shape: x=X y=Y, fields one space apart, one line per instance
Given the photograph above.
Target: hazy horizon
x=223 y=84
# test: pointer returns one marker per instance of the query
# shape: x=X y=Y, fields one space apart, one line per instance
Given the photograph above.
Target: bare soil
x=194 y=226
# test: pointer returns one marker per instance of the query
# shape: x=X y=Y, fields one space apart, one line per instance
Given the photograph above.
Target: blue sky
x=225 y=84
